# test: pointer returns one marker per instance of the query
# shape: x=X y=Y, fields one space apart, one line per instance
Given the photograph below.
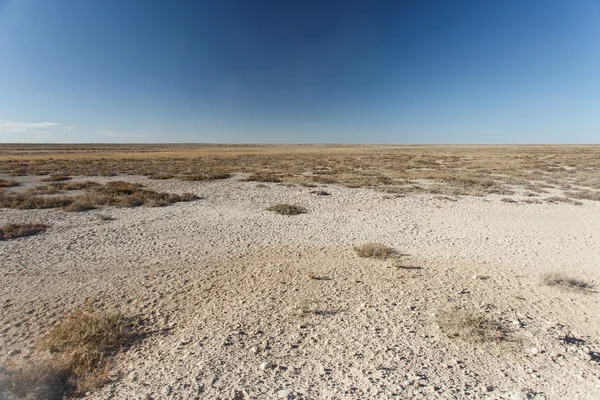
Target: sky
x=300 y=71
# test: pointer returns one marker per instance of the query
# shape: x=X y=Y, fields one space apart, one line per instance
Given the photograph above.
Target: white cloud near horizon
x=30 y=127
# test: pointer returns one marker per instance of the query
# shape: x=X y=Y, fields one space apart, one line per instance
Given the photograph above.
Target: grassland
x=444 y=170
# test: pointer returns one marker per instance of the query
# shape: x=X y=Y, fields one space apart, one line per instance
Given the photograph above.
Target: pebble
x=285 y=393
x=534 y=350
x=165 y=390
x=518 y=395
x=266 y=365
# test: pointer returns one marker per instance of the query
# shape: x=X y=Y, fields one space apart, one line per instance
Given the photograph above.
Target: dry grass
x=287 y=209
x=470 y=327
x=565 y=282
x=8 y=183
x=83 y=344
x=441 y=170
x=263 y=177
x=584 y=195
x=13 y=231
x=23 y=201
x=80 y=205
x=78 y=357
x=374 y=250
x=116 y=194
x=43 y=189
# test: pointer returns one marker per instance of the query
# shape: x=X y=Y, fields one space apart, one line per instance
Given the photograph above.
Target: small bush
x=263 y=177
x=76 y=185
x=470 y=326
x=565 y=282
x=83 y=345
x=160 y=176
x=374 y=250
x=287 y=209
x=79 y=205
x=320 y=193
x=8 y=183
x=13 y=231
x=188 y=197
x=22 y=201
x=43 y=189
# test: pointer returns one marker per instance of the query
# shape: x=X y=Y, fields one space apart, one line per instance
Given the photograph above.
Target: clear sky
x=300 y=71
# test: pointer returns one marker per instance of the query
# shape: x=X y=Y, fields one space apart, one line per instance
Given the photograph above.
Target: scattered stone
x=254 y=350
x=266 y=365
x=517 y=395
x=166 y=390
x=534 y=350
x=285 y=393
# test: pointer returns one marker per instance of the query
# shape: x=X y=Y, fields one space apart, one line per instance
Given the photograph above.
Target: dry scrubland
x=308 y=272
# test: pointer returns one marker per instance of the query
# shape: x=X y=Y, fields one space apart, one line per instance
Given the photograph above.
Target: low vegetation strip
x=116 y=194
x=447 y=170
x=8 y=183
x=13 y=231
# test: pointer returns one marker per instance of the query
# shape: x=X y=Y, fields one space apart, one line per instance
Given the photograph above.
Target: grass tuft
x=287 y=209
x=566 y=282
x=374 y=250
x=80 y=205
x=470 y=327
x=13 y=231
x=83 y=344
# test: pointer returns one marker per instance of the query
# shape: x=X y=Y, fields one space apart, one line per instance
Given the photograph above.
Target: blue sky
x=280 y=71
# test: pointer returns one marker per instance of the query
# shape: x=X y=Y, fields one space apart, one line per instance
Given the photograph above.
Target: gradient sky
x=299 y=71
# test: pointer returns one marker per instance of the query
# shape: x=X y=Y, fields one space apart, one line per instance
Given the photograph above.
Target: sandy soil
x=233 y=313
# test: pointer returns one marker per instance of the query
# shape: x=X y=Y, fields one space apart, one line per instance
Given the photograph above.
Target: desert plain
x=404 y=272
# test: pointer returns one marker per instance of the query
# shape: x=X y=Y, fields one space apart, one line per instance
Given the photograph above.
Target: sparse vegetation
x=441 y=170
x=320 y=193
x=80 y=205
x=470 y=326
x=566 y=282
x=77 y=359
x=116 y=194
x=287 y=209
x=263 y=177
x=13 y=231
x=84 y=343
x=8 y=183
x=374 y=250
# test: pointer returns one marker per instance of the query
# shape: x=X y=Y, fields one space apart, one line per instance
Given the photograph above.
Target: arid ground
x=426 y=272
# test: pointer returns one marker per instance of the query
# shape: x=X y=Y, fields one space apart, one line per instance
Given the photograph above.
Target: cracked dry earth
x=241 y=303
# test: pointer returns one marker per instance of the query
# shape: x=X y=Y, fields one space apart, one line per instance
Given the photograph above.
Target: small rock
x=534 y=350
x=266 y=365
x=518 y=395
x=166 y=390
x=254 y=350
x=285 y=393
